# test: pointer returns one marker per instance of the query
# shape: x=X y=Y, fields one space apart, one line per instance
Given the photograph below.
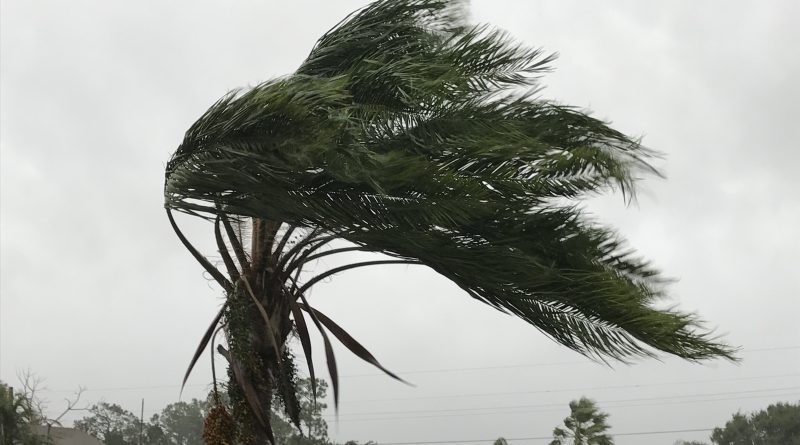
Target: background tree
x=412 y=134
x=154 y=433
x=181 y=423
x=501 y=441
x=314 y=429
x=111 y=423
x=586 y=425
x=779 y=424
x=24 y=408
x=18 y=412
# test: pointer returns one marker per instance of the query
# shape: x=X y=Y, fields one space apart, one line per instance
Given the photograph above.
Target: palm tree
x=18 y=412
x=409 y=133
x=12 y=410
x=586 y=425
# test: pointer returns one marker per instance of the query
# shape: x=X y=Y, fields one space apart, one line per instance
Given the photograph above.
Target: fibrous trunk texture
x=258 y=326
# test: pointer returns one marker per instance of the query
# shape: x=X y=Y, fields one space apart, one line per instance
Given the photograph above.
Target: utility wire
x=640 y=399
x=531 y=365
x=549 y=407
x=584 y=388
x=638 y=433
x=478 y=368
x=427 y=371
x=447 y=396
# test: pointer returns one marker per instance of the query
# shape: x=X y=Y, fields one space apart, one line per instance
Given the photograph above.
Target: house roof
x=67 y=436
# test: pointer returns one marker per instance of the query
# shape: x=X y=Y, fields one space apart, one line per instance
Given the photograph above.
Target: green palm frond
x=411 y=133
x=414 y=150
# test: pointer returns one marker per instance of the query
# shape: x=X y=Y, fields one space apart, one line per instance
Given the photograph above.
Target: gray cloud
x=97 y=291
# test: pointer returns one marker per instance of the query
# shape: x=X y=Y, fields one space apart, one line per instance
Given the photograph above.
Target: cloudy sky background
x=97 y=291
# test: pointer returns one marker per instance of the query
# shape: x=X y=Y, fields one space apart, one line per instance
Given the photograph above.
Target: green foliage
x=182 y=422
x=411 y=133
x=111 y=423
x=314 y=428
x=179 y=423
x=17 y=413
x=501 y=441
x=779 y=424
x=586 y=425
x=405 y=133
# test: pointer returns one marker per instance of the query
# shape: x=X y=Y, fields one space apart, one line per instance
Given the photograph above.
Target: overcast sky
x=97 y=291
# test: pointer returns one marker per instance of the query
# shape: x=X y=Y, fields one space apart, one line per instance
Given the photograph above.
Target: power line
x=538 y=391
x=552 y=409
x=640 y=399
x=426 y=371
x=775 y=348
x=584 y=388
x=529 y=365
x=532 y=365
x=463 y=395
x=684 y=402
x=130 y=388
x=477 y=368
x=638 y=433
x=434 y=371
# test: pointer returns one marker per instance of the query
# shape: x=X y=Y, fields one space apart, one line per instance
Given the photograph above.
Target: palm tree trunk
x=254 y=367
x=257 y=345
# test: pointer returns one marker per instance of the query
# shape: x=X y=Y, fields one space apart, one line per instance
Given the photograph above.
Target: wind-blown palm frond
x=411 y=133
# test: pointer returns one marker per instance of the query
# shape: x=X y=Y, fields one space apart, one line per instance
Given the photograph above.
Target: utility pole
x=141 y=423
x=2 y=429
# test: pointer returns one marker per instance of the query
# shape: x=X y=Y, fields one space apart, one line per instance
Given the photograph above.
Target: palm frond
x=412 y=133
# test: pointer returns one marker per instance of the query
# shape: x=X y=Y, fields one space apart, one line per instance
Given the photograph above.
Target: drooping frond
x=409 y=132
